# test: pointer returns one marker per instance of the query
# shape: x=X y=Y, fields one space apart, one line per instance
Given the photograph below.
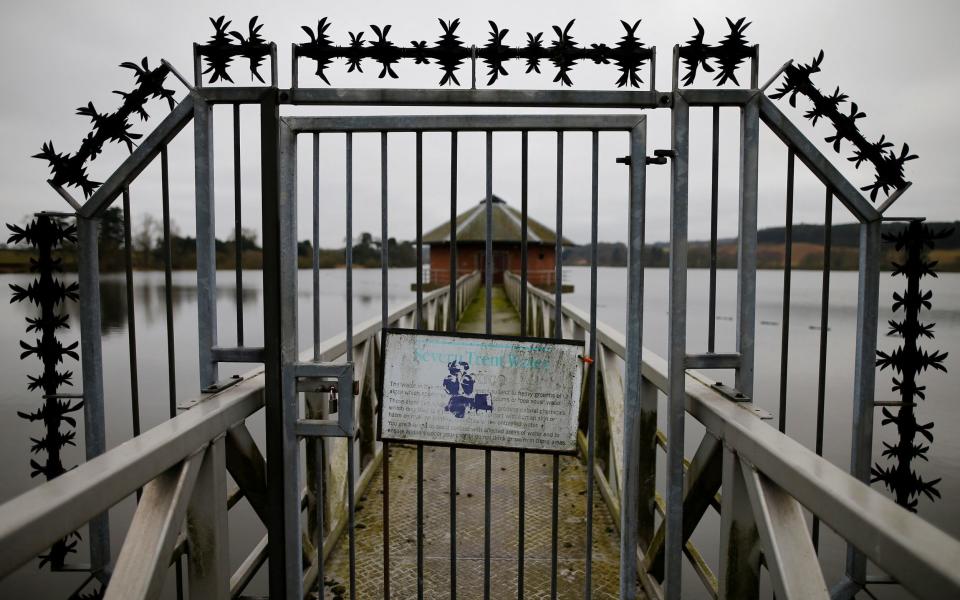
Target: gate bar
x=522 y=456
x=487 y=456
x=634 y=392
x=351 y=468
x=418 y=317
x=592 y=368
x=384 y=262
x=452 y=326
x=557 y=333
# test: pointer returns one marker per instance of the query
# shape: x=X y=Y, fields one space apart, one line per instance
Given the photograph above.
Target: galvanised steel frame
x=763 y=473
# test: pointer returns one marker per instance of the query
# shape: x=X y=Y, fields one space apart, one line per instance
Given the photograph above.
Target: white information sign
x=475 y=390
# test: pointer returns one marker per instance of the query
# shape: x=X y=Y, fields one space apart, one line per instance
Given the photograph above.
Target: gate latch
x=660 y=157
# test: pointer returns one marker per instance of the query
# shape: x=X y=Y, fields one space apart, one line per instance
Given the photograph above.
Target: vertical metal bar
x=237 y=222
x=747 y=245
x=714 y=205
x=633 y=399
x=91 y=357
x=787 y=276
x=452 y=326
x=558 y=333
x=384 y=266
x=418 y=311
x=279 y=323
x=168 y=282
x=419 y=323
x=420 y=521
x=487 y=457
x=131 y=314
x=592 y=381
x=168 y=305
x=824 y=325
x=864 y=374
x=558 y=244
x=524 y=265
x=319 y=464
x=351 y=519
x=676 y=355
x=384 y=239
x=349 y=246
x=206 y=241
x=351 y=468
x=452 y=310
x=315 y=258
x=554 y=526
x=522 y=456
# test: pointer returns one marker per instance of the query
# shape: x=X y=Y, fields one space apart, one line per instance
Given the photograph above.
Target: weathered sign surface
x=477 y=390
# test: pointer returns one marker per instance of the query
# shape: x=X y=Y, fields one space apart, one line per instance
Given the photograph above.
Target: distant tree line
x=807 y=249
x=148 y=251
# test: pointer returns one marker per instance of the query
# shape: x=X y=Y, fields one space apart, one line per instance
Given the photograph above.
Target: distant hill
x=807 y=249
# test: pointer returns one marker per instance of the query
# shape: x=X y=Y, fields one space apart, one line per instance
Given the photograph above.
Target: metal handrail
x=911 y=550
x=31 y=522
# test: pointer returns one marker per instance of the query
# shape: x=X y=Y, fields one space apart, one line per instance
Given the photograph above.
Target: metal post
x=864 y=374
x=384 y=270
x=91 y=356
x=676 y=355
x=283 y=524
x=747 y=244
x=633 y=398
x=315 y=259
x=418 y=314
x=206 y=241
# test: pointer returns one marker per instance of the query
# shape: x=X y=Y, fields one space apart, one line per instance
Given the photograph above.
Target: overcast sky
x=897 y=60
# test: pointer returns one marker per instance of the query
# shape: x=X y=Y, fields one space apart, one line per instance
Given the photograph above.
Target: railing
x=766 y=480
x=181 y=467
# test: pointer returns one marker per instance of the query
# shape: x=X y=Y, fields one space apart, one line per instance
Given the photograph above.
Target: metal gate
x=292 y=418
x=766 y=478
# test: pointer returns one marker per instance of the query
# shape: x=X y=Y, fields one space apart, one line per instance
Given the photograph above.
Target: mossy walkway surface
x=538 y=487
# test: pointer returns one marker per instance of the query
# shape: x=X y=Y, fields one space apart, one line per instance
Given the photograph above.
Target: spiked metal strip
x=71 y=169
x=449 y=52
x=47 y=235
x=908 y=361
x=888 y=164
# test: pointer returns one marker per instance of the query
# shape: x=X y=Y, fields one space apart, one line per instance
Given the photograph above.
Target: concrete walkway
x=470 y=512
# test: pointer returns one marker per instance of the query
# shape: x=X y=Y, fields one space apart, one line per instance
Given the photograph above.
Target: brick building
x=471 y=239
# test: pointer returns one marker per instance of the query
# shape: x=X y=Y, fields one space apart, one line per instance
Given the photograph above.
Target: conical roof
x=472 y=226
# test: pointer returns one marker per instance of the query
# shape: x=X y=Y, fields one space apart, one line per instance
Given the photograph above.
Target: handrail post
x=207 y=527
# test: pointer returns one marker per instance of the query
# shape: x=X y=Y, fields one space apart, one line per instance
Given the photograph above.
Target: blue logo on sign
x=459 y=386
